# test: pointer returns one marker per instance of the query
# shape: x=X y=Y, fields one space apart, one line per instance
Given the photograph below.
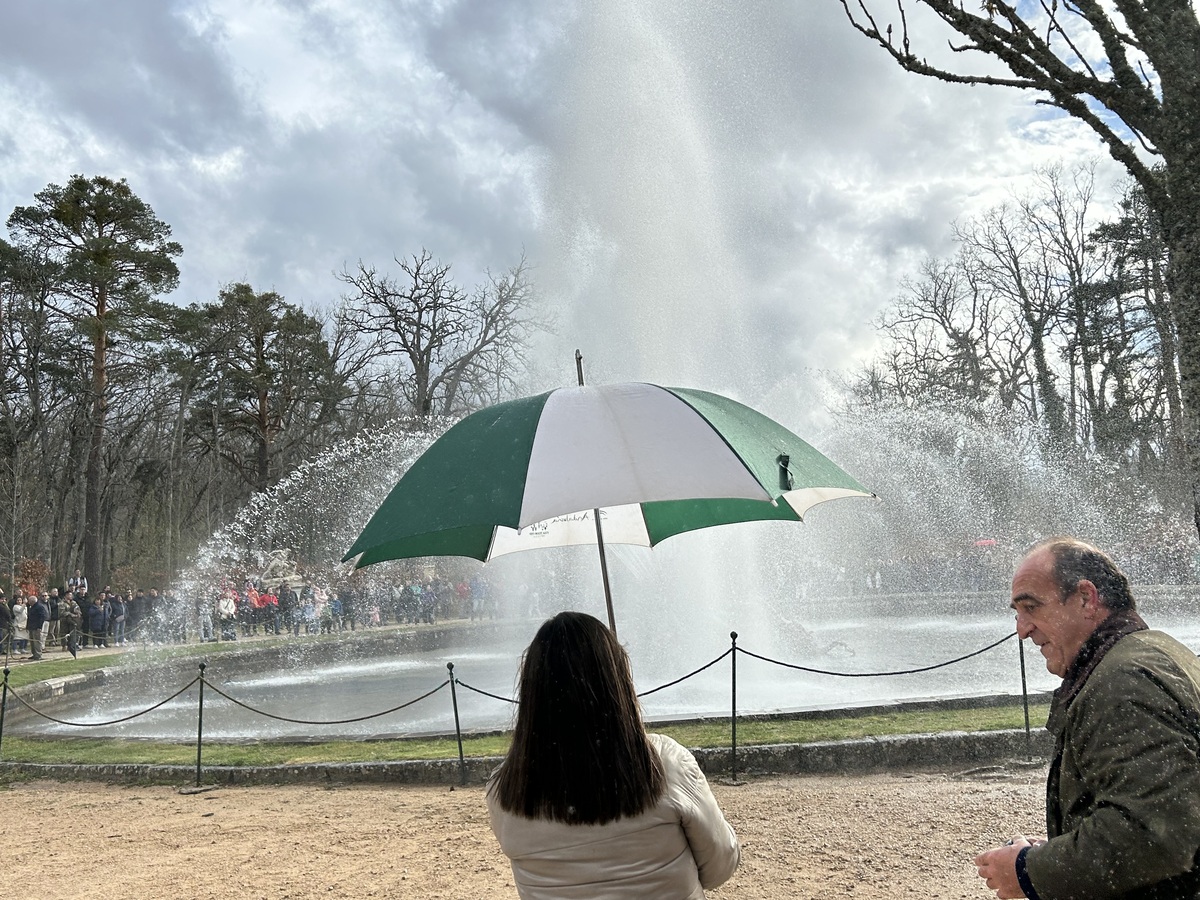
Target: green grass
x=812 y=730
x=57 y=664
x=714 y=733
x=21 y=675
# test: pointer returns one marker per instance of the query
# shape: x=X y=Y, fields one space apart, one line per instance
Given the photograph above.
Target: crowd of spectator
x=298 y=606
x=72 y=617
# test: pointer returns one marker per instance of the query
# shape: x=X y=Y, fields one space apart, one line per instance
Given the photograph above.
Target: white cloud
x=712 y=193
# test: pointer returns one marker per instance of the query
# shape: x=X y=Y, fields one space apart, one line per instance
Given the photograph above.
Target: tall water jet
x=635 y=228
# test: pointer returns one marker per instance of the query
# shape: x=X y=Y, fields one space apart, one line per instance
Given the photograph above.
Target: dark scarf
x=1107 y=633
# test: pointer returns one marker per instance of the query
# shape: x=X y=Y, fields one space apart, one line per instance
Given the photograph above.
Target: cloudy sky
x=710 y=193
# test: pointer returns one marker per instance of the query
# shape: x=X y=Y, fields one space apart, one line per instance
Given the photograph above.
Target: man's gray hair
x=1075 y=561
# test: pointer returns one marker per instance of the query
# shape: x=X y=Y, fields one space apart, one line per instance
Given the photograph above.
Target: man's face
x=1058 y=625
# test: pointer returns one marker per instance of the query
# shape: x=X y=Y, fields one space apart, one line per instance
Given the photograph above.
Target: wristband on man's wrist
x=1023 y=875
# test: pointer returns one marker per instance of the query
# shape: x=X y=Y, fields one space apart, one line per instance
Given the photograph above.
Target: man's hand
x=998 y=868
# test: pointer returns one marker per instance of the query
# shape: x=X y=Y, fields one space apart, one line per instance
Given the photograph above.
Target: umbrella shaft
x=612 y=621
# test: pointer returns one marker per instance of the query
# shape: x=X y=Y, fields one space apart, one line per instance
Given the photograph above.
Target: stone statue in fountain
x=279 y=570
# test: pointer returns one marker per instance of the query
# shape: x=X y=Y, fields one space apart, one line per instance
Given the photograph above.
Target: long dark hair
x=579 y=752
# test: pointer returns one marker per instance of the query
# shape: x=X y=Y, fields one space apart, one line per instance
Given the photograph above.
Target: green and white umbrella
x=651 y=461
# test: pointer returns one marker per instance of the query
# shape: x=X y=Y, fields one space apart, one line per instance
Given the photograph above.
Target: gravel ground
x=873 y=836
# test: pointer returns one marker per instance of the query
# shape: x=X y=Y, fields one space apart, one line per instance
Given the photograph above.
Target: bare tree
x=946 y=338
x=458 y=349
x=37 y=396
x=1129 y=70
x=1009 y=261
x=1043 y=317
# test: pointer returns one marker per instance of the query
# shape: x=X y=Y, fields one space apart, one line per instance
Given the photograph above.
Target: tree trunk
x=1181 y=234
x=262 y=443
x=1159 y=306
x=1183 y=275
x=1053 y=407
x=92 y=559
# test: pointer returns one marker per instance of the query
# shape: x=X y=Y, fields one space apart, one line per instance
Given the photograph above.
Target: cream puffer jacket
x=670 y=852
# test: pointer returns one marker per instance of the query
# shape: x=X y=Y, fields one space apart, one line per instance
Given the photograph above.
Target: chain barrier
x=37 y=712
x=268 y=715
x=463 y=684
x=459 y=682
x=940 y=665
x=454 y=681
x=661 y=687
x=708 y=665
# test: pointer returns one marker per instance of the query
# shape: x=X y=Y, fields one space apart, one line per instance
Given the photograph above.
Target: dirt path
x=868 y=836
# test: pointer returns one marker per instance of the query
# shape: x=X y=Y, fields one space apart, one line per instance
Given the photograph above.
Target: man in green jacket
x=1123 y=792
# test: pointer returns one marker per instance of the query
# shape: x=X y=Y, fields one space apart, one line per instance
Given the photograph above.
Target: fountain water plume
x=317 y=510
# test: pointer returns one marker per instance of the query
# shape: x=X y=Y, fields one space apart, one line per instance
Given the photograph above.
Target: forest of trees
x=132 y=427
x=1129 y=72
x=1054 y=316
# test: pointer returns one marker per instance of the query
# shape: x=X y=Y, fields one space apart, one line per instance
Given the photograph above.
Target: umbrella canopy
x=652 y=461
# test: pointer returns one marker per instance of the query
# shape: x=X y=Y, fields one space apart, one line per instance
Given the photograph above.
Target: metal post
x=200 y=725
x=3 y=705
x=462 y=762
x=733 y=717
x=1025 y=700
x=612 y=620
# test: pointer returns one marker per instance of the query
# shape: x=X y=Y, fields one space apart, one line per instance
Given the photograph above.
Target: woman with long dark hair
x=587 y=804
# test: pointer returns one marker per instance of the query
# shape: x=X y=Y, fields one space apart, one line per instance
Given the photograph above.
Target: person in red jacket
x=269 y=611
